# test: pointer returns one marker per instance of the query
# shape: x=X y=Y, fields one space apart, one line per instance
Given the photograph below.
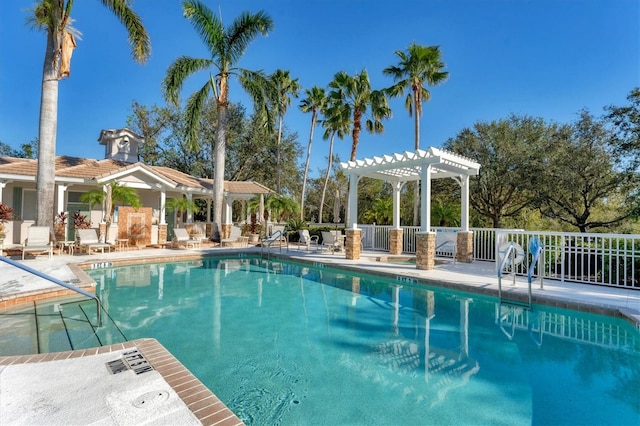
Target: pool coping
x=204 y=405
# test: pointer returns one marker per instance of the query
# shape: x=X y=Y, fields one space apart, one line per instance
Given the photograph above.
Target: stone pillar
x=162 y=233
x=102 y=231
x=395 y=241
x=464 y=252
x=425 y=250
x=352 y=243
x=226 y=230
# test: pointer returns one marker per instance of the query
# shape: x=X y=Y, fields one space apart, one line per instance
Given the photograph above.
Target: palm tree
x=356 y=94
x=417 y=66
x=226 y=47
x=115 y=193
x=54 y=17
x=283 y=87
x=337 y=122
x=313 y=103
x=180 y=205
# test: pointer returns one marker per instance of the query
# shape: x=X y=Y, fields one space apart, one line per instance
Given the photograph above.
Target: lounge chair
x=88 y=240
x=332 y=240
x=38 y=241
x=182 y=238
x=235 y=237
x=307 y=240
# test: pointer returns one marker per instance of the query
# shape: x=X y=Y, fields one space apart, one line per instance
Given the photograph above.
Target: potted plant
x=254 y=235
x=60 y=226
x=6 y=215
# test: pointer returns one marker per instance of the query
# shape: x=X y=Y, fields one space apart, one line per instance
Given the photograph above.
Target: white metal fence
x=604 y=259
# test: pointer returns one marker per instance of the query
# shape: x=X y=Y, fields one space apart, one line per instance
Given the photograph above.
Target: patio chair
x=38 y=241
x=332 y=241
x=307 y=240
x=235 y=237
x=88 y=240
x=182 y=238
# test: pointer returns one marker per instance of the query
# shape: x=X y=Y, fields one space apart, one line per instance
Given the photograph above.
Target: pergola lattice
x=420 y=165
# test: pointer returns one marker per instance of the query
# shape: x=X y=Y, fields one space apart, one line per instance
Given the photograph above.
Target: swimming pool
x=287 y=343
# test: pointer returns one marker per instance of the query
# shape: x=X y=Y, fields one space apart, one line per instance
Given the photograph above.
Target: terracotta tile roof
x=87 y=168
x=245 y=187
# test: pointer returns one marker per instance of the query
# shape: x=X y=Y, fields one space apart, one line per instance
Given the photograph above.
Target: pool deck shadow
x=41 y=387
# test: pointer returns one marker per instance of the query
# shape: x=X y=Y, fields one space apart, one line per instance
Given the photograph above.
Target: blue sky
x=544 y=58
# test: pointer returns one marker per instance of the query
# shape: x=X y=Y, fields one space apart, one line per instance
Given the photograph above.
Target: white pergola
x=421 y=165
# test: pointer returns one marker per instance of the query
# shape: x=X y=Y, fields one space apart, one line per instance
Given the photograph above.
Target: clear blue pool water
x=291 y=344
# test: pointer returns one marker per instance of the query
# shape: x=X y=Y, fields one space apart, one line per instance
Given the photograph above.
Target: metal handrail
x=510 y=256
x=58 y=282
x=276 y=236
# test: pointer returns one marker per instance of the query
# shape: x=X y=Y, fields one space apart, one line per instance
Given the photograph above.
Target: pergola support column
x=395 y=241
x=352 y=243
x=464 y=251
x=425 y=250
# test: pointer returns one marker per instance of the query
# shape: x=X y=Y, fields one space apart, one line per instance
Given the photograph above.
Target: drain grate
x=131 y=360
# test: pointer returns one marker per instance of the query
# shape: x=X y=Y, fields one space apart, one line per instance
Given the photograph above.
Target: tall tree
x=226 y=47
x=313 y=103
x=580 y=178
x=336 y=123
x=356 y=94
x=510 y=152
x=283 y=87
x=54 y=18
x=625 y=121
x=418 y=66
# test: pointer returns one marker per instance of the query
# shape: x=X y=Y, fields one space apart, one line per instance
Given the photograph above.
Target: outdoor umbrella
x=336 y=208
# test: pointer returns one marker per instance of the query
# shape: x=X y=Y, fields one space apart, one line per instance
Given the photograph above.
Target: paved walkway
x=76 y=386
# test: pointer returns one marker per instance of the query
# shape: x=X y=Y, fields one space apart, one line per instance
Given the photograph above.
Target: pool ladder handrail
x=276 y=236
x=58 y=282
x=510 y=258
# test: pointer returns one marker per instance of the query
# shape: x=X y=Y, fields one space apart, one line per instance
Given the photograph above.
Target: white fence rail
x=603 y=259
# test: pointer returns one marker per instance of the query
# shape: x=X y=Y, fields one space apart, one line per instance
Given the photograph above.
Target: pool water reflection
x=286 y=343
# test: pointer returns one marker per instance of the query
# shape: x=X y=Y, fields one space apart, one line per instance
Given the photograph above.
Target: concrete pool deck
x=76 y=387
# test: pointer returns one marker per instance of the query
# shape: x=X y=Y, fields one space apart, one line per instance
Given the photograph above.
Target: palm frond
x=178 y=72
x=243 y=30
x=208 y=26
x=138 y=37
x=192 y=111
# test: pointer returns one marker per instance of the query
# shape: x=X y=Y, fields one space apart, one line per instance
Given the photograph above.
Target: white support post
x=60 y=205
x=228 y=202
x=189 y=211
x=397 y=186
x=163 y=205
x=353 y=202
x=2 y=186
x=464 y=203
x=425 y=199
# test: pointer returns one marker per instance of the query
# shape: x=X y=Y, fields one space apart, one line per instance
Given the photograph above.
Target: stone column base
x=162 y=233
x=102 y=231
x=395 y=241
x=352 y=243
x=425 y=250
x=226 y=230
x=464 y=252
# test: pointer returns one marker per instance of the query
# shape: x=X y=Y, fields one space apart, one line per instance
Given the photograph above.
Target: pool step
x=55 y=326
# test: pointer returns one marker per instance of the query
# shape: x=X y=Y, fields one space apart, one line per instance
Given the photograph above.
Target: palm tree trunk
x=314 y=118
x=416 y=184
x=278 y=168
x=45 y=184
x=218 y=170
x=326 y=178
